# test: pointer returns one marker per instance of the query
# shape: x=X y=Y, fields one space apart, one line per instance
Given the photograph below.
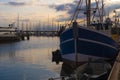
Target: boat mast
x=102 y=15
x=88 y=11
x=102 y=11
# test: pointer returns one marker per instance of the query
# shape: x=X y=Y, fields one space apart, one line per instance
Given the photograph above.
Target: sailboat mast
x=18 y=22
x=88 y=10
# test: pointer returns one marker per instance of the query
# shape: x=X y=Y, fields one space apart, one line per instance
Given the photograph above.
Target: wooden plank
x=115 y=70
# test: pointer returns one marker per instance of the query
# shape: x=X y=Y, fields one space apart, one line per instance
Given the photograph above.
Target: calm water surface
x=29 y=59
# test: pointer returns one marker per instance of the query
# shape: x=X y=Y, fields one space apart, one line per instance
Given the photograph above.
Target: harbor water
x=29 y=59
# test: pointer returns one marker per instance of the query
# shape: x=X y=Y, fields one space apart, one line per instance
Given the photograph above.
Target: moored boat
x=88 y=49
x=90 y=44
x=8 y=35
x=79 y=43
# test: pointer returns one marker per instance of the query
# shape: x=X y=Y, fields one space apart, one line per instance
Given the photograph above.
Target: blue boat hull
x=90 y=44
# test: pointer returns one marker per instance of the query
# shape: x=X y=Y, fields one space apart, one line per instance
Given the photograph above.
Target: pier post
x=28 y=36
x=22 y=37
x=75 y=33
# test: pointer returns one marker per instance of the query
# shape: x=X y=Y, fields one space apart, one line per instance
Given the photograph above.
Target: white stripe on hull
x=67 y=41
x=81 y=57
x=91 y=41
x=97 y=42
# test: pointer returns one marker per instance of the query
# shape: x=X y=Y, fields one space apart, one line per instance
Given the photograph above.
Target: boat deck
x=8 y=35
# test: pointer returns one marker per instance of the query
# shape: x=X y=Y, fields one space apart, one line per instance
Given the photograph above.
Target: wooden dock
x=114 y=74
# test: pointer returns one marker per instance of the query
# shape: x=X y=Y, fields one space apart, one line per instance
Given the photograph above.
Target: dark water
x=29 y=60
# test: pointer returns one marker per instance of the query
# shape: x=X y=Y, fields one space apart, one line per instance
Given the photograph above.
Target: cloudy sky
x=39 y=10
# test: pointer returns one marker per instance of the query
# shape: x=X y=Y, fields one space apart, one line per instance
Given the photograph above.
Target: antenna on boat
x=108 y=13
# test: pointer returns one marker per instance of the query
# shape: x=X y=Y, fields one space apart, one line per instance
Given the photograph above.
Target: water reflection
x=28 y=60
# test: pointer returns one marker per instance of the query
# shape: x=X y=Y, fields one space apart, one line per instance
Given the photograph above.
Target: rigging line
x=75 y=12
x=95 y=10
x=102 y=14
x=99 y=11
x=80 y=5
x=97 y=2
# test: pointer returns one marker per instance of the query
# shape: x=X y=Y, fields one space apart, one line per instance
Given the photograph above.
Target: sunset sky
x=39 y=10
